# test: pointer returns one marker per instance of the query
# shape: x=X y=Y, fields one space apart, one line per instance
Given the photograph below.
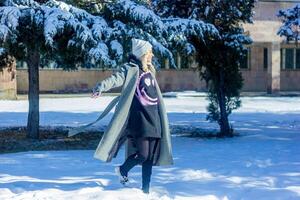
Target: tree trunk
x=225 y=130
x=33 y=62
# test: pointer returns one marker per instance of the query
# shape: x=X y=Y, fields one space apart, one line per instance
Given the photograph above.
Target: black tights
x=144 y=156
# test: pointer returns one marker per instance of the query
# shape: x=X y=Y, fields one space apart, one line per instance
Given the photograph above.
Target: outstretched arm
x=115 y=80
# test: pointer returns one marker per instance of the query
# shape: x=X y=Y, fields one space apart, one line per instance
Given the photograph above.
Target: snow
x=207 y=8
x=262 y=163
x=9 y=17
x=117 y=48
x=140 y=13
x=181 y=29
x=187 y=93
x=237 y=40
x=54 y=23
x=2 y=50
x=21 y=3
x=100 y=28
x=61 y=5
x=101 y=53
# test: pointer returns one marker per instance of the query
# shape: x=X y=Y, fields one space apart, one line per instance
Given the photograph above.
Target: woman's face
x=149 y=55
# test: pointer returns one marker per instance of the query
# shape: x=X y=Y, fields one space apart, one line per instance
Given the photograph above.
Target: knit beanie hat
x=140 y=47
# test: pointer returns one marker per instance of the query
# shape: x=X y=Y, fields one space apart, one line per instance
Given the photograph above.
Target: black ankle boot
x=145 y=189
x=122 y=178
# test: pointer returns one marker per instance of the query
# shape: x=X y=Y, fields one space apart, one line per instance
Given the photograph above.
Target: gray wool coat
x=115 y=134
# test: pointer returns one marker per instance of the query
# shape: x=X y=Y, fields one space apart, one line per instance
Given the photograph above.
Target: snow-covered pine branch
x=163 y=34
x=134 y=20
x=117 y=49
x=180 y=30
x=137 y=15
x=237 y=41
x=21 y=3
x=9 y=18
x=291 y=23
x=103 y=38
x=2 y=51
x=56 y=19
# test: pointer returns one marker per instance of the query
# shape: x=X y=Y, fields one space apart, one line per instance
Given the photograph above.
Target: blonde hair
x=152 y=69
x=147 y=66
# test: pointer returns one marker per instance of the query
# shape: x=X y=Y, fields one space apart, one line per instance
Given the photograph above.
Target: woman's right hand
x=95 y=94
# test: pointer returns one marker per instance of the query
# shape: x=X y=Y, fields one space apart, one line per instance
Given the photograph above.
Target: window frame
x=248 y=62
x=283 y=58
x=265 y=58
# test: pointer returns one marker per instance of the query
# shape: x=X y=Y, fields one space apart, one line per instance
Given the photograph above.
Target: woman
x=140 y=118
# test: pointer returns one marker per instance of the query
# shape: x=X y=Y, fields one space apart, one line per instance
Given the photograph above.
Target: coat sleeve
x=117 y=79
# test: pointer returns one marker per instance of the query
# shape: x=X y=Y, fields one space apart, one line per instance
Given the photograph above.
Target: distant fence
x=81 y=81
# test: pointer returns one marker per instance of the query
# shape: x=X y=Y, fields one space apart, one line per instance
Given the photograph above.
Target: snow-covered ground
x=263 y=163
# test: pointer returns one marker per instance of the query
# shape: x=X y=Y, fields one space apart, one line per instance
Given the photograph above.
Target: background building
x=271 y=65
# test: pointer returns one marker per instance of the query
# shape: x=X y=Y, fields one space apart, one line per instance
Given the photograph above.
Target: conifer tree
x=219 y=59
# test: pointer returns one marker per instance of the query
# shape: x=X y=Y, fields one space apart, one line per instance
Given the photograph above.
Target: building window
x=290 y=58
x=281 y=58
x=265 y=58
x=297 y=58
x=245 y=63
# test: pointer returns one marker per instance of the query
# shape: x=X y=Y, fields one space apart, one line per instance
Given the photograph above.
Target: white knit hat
x=140 y=47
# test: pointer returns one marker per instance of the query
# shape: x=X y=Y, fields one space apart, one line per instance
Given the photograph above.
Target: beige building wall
x=290 y=80
x=59 y=81
x=255 y=78
x=56 y=81
x=264 y=34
